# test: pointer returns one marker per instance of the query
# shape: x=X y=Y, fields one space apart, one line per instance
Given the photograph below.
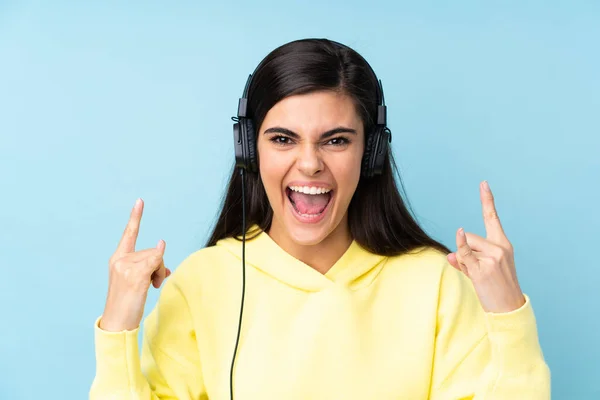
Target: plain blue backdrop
x=104 y=102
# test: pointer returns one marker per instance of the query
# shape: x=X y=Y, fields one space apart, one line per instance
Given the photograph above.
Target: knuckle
x=153 y=260
x=510 y=248
x=131 y=230
x=120 y=265
x=498 y=253
x=465 y=251
x=491 y=215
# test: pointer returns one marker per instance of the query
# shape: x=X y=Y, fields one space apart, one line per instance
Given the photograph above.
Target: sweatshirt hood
x=356 y=268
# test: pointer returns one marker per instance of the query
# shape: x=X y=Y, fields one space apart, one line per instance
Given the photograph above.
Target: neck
x=321 y=256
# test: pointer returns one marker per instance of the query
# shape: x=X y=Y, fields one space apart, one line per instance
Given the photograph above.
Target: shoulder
x=429 y=270
x=426 y=262
x=454 y=294
x=209 y=264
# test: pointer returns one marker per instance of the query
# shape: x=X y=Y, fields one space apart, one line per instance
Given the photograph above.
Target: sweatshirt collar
x=356 y=268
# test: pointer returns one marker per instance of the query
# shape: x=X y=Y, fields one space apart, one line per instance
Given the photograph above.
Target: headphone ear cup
x=375 y=152
x=251 y=140
x=367 y=170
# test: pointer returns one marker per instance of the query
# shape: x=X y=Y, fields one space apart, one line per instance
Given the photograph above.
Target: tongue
x=310 y=203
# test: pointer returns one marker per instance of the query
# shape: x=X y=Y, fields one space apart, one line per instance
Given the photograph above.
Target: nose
x=309 y=160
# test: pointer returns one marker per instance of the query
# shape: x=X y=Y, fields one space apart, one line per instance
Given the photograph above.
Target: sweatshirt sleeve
x=481 y=355
x=169 y=366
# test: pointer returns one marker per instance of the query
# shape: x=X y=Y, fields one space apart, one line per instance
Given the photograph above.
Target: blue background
x=101 y=103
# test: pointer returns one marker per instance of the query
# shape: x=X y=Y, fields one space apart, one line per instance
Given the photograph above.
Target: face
x=310 y=148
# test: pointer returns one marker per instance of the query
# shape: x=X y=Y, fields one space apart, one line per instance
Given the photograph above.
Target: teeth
x=309 y=189
x=309 y=215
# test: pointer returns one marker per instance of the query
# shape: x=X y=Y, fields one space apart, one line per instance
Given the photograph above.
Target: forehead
x=313 y=113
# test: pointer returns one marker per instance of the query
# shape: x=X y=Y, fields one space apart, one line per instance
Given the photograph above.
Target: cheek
x=272 y=171
x=347 y=173
x=350 y=168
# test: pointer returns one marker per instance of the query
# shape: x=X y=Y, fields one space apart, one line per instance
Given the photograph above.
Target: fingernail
x=138 y=202
x=461 y=232
x=486 y=186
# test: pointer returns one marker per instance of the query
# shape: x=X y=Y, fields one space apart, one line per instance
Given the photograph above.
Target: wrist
x=500 y=301
x=109 y=323
x=121 y=316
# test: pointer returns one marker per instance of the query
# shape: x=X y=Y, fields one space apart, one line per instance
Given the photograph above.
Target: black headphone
x=377 y=142
x=244 y=138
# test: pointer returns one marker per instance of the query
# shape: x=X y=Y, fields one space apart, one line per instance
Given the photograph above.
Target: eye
x=339 y=141
x=280 y=140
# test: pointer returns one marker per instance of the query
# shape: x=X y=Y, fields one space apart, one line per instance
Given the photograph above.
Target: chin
x=307 y=235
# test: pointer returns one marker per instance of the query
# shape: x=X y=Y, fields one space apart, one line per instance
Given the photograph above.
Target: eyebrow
x=325 y=135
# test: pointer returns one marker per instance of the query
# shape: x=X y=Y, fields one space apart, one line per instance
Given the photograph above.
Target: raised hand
x=130 y=274
x=489 y=262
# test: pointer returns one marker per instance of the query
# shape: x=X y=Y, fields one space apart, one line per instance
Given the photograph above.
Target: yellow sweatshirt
x=371 y=328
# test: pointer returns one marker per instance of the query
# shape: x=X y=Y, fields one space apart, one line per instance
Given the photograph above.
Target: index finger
x=127 y=243
x=493 y=227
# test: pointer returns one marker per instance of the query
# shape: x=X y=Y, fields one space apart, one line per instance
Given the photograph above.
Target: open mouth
x=309 y=203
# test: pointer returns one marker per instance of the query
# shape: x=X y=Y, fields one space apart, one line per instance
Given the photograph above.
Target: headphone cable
x=242 y=173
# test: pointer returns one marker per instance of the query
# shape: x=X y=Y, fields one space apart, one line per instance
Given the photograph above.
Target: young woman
x=343 y=295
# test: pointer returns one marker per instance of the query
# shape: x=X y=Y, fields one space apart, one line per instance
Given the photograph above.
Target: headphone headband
x=381 y=108
x=376 y=141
